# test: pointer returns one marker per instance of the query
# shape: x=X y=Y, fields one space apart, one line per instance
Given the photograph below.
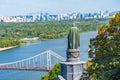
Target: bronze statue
x=73 y=38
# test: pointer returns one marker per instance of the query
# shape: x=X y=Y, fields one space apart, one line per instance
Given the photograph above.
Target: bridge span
x=44 y=61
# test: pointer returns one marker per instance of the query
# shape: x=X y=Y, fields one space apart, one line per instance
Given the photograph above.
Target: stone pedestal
x=72 y=70
x=72 y=55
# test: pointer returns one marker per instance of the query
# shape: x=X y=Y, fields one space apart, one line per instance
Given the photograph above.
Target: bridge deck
x=24 y=68
x=48 y=58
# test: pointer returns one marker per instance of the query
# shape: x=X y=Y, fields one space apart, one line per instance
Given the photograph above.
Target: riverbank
x=21 y=44
x=30 y=39
x=7 y=48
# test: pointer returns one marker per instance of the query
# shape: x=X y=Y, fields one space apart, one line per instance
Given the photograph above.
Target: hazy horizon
x=20 y=7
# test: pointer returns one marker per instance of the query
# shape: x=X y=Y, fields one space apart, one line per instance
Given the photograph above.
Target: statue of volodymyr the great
x=73 y=38
x=73 y=44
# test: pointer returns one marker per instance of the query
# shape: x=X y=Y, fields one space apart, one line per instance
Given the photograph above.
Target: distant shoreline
x=30 y=39
x=24 y=39
x=7 y=48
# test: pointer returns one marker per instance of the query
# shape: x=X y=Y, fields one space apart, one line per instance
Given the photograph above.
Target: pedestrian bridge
x=44 y=61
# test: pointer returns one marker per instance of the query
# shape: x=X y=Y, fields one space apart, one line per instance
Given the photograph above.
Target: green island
x=104 y=53
x=12 y=33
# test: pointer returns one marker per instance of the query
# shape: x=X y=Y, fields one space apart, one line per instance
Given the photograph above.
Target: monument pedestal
x=72 y=70
x=73 y=55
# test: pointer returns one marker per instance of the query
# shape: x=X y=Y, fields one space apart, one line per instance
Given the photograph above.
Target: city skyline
x=20 y=7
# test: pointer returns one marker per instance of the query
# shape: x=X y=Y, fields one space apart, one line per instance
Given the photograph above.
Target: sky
x=20 y=7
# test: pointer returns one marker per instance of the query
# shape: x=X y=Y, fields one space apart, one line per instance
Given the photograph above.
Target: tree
x=105 y=52
x=52 y=74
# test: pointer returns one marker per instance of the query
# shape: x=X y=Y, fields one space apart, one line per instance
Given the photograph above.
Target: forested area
x=11 y=33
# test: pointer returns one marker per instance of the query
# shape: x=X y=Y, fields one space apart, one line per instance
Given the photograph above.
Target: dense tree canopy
x=5 y=42
x=12 y=32
x=105 y=52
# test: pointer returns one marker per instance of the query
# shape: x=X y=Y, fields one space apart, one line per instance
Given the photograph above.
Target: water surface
x=59 y=46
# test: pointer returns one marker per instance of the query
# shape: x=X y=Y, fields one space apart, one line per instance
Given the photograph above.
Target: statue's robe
x=73 y=38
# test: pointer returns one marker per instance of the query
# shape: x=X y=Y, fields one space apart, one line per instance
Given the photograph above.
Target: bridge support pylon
x=48 y=60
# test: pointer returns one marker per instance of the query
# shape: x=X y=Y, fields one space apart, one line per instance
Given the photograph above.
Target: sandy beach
x=6 y=48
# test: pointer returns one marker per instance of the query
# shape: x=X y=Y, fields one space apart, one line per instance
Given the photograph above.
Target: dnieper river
x=59 y=46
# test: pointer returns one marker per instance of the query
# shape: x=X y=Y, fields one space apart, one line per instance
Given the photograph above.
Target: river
x=59 y=46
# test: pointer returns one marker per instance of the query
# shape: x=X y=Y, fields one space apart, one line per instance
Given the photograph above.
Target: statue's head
x=74 y=24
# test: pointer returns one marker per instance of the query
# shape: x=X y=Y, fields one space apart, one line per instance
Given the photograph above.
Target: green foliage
x=45 y=30
x=5 y=42
x=52 y=74
x=105 y=52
